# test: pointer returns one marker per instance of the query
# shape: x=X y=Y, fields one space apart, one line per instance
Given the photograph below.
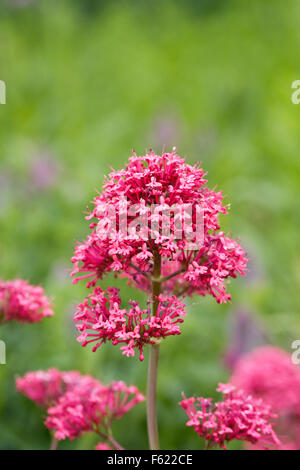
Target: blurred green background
x=87 y=81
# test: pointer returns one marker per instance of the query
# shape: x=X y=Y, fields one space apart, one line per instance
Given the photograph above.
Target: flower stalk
x=151 y=398
x=54 y=444
x=108 y=437
x=153 y=361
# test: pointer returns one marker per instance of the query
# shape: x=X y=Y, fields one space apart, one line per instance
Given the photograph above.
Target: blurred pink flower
x=23 y=302
x=102 y=446
x=239 y=416
x=268 y=373
x=91 y=408
x=45 y=387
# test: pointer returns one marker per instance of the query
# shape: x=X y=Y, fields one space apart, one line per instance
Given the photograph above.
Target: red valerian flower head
x=239 y=416
x=268 y=373
x=85 y=409
x=45 y=387
x=100 y=318
x=23 y=302
x=160 y=204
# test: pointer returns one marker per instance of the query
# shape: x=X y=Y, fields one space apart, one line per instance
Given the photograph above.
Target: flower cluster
x=94 y=408
x=238 y=416
x=137 y=234
x=163 y=181
x=100 y=318
x=268 y=373
x=78 y=403
x=46 y=387
x=23 y=302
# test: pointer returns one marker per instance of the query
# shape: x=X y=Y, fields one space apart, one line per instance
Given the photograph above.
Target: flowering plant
x=156 y=224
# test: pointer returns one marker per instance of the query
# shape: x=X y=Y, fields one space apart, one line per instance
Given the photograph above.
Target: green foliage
x=86 y=83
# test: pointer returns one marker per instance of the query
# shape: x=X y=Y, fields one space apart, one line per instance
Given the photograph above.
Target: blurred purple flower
x=20 y=3
x=256 y=273
x=206 y=141
x=60 y=271
x=44 y=171
x=165 y=132
x=245 y=334
x=255 y=270
x=5 y=187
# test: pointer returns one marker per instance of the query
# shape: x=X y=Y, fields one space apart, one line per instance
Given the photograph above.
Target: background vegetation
x=87 y=81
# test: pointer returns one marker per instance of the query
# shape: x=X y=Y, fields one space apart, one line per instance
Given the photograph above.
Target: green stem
x=109 y=438
x=151 y=398
x=153 y=361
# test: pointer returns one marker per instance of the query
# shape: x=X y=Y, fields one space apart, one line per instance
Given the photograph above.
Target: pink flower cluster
x=268 y=373
x=101 y=318
x=78 y=403
x=162 y=180
x=85 y=409
x=46 y=387
x=162 y=258
x=239 y=416
x=23 y=302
